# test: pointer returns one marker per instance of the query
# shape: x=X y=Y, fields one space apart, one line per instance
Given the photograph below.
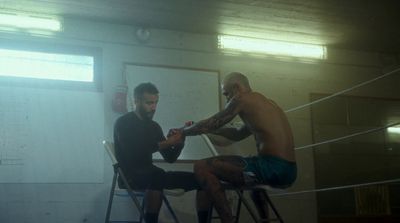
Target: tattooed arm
x=231 y=133
x=216 y=121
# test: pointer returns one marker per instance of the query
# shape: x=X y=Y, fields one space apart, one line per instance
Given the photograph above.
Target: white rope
x=337 y=188
x=348 y=136
x=215 y=153
x=344 y=91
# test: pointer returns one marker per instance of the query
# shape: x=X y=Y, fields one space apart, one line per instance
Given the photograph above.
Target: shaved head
x=233 y=84
x=236 y=78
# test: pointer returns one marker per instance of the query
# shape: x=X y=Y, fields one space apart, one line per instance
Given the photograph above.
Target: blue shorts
x=271 y=170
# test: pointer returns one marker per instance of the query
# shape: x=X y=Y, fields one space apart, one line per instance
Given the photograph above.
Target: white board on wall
x=51 y=136
x=185 y=94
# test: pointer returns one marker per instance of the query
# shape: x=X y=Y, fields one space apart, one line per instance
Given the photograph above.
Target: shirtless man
x=275 y=163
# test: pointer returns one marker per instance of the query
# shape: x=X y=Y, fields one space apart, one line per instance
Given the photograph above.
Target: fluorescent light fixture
x=271 y=47
x=395 y=129
x=29 y=22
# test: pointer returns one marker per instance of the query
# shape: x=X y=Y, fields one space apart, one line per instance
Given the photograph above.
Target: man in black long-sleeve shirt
x=136 y=138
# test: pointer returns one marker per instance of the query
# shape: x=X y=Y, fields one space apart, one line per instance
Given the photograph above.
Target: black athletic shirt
x=136 y=140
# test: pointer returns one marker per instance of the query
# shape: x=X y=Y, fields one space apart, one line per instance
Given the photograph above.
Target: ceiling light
x=29 y=22
x=271 y=47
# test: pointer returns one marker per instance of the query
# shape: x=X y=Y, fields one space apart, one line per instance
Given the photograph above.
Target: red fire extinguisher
x=119 y=99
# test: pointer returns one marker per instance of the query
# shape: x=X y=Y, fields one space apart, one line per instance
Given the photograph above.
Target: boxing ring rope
x=340 y=93
x=215 y=153
x=347 y=136
x=336 y=188
x=343 y=91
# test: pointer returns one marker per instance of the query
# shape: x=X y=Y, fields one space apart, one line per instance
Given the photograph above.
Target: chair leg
x=247 y=205
x=141 y=218
x=238 y=208
x=132 y=195
x=210 y=214
x=170 y=208
x=107 y=220
x=250 y=210
x=273 y=207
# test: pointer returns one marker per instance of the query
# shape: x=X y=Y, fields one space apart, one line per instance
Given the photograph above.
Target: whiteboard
x=185 y=94
x=51 y=136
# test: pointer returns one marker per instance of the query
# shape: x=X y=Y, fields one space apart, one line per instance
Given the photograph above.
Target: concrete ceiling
x=367 y=25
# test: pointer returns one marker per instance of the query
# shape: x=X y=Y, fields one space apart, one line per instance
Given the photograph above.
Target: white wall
x=288 y=83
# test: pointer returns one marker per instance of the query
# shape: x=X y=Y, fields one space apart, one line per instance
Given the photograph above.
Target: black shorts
x=156 y=178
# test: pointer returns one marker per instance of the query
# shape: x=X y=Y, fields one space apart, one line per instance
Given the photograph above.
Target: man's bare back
x=268 y=124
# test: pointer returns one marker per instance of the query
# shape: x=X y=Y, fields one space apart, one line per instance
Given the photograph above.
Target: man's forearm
x=215 y=122
x=229 y=133
x=164 y=145
x=171 y=155
x=204 y=126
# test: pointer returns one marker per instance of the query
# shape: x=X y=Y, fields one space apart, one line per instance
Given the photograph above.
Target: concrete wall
x=289 y=83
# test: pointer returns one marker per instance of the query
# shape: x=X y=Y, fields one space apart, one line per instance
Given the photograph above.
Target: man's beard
x=146 y=115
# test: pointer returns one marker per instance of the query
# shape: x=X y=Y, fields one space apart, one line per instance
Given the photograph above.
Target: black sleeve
x=122 y=141
x=123 y=135
x=127 y=146
x=172 y=153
